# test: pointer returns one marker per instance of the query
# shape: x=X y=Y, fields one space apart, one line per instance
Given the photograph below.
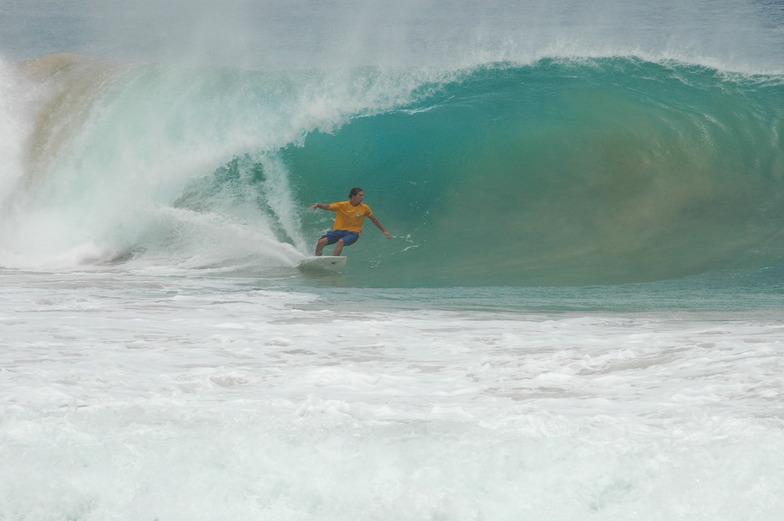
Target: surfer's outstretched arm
x=379 y=226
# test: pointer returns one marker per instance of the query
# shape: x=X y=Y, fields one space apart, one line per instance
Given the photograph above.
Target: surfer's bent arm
x=322 y=206
x=379 y=226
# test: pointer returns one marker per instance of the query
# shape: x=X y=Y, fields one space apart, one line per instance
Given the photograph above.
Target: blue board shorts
x=334 y=236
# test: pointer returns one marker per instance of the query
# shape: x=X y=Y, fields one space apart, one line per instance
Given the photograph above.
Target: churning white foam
x=133 y=395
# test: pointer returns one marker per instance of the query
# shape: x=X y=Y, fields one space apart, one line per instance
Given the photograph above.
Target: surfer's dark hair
x=354 y=191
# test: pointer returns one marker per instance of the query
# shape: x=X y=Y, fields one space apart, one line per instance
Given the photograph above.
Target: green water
x=606 y=171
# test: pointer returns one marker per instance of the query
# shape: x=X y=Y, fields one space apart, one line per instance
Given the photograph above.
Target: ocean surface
x=580 y=314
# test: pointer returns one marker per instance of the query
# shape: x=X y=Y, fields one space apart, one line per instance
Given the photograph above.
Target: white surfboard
x=323 y=263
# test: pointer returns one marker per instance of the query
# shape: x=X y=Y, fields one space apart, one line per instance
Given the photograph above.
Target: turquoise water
x=567 y=172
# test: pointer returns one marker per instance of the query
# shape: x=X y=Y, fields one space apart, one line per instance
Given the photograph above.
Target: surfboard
x=324 y=263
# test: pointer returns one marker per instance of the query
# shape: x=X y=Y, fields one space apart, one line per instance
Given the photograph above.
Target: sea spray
x=114 y=145
x=15 y=126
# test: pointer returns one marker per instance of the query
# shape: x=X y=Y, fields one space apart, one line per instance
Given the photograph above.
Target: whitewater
x=579 y=315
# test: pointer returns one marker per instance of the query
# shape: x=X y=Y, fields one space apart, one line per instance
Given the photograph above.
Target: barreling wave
x=602 y=170
x=598 y=171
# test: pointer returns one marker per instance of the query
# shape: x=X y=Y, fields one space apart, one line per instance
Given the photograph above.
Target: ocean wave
x=587 y=171
x=561 y=171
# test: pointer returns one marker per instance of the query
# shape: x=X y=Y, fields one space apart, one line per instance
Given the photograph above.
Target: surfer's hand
x=389 y=235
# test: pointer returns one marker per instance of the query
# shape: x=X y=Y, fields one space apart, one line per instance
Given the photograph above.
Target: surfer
x=349 y=218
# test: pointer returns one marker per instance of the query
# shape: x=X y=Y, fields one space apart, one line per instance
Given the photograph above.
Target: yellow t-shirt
x=349 y=217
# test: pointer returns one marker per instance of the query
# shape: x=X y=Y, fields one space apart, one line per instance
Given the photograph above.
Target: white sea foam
x=131 y=396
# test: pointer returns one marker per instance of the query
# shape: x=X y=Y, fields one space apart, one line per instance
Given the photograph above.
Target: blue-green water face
x=603 y=171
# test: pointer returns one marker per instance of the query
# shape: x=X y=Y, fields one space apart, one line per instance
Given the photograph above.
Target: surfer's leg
x=320 y=245
x=338 y=248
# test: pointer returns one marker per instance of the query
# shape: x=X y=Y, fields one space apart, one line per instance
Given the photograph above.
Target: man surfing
x=349 y=218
